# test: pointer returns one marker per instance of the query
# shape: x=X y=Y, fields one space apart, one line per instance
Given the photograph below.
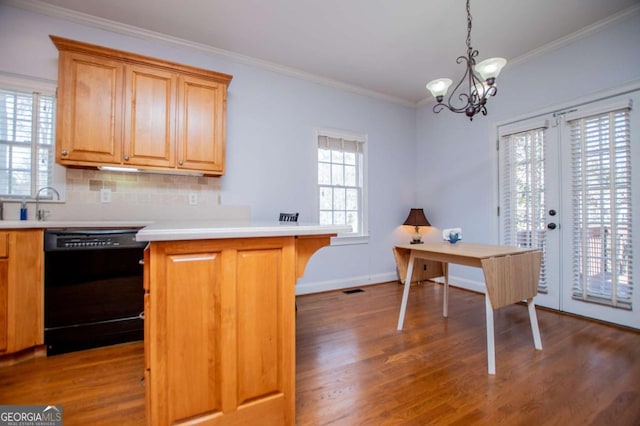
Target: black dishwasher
x=93 y=288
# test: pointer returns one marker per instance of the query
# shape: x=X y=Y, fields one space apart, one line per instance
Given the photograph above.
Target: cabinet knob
x=64 y=152
x=181 y=162
x=126 y=158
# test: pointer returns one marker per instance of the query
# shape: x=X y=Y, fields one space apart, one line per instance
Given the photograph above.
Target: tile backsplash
x=136 y=196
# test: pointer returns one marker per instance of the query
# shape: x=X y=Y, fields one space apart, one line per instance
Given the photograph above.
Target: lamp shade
x=439 y=87
x=490 y=68
x=416 y=218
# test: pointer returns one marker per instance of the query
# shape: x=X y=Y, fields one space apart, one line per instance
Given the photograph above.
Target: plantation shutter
x=26 y=142
x=522 y=197
x=601 y=186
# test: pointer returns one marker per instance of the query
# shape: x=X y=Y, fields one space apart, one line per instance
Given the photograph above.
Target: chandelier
x=480 y=82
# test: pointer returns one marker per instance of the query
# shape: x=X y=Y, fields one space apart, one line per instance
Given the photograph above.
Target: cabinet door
x=4 y=302
x=26 y=285
x=222 y=332
x=201 y=124
x=4 y=290
x=185 y=350
x=21 y=290
x=89 y=114
x=149 y=134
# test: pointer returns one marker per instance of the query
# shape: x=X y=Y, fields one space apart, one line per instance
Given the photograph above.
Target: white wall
x=456 y=159
x=270 y=148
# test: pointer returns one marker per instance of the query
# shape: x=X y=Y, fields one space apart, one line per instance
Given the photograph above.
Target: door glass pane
x=601 y=185
x=523 y=194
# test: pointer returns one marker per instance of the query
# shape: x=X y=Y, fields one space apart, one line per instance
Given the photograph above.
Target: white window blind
x=26 y=143
x=522 y=204
x=341 y=182
x=602 y=231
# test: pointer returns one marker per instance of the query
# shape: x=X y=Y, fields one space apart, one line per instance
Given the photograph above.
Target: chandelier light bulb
x=490 y=68
x=439 y=87
x=481 y=89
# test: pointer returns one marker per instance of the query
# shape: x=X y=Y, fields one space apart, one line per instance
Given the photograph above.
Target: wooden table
x=511 y=275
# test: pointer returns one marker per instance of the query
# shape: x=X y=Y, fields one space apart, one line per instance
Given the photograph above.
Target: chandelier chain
x=469 y=25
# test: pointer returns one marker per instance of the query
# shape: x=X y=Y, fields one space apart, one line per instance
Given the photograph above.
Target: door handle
x=552 y=225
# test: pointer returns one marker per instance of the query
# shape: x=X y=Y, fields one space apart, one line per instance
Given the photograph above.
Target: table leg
x=533 y=318
x=491 y=347
x=445 y=301
x=405 y=293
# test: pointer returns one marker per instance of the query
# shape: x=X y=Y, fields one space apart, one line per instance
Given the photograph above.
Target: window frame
x=361 y=237
x=58 y=173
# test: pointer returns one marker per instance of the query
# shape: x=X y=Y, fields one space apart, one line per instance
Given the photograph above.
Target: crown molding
x=129 y=30
x=564 y=41
x=581 y=33
x=28 y=83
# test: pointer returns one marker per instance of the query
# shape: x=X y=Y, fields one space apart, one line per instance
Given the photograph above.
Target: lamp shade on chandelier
x=478 y=81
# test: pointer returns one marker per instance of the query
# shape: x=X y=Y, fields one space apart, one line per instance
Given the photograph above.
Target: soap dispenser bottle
x=23 y=210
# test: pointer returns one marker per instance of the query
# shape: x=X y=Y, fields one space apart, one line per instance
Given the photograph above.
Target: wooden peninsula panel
x=220 y=329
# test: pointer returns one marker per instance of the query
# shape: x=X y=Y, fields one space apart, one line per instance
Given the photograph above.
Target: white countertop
x=45 y=224
x=204 y=230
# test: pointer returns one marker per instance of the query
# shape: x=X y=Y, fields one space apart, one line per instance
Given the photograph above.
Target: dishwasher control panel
x=90 y=239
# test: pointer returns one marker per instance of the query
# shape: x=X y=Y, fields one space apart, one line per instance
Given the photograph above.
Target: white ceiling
x=391 y=47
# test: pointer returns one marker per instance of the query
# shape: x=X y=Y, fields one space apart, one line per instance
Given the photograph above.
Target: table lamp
x=416 y=218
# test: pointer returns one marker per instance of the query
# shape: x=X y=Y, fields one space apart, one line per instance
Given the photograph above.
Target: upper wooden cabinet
x=89 y=113
x=149 y=120
x=122 y=109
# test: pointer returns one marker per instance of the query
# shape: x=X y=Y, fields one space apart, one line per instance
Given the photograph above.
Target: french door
x=569 y=184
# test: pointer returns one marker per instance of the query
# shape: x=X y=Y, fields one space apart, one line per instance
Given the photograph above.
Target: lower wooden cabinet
x=4 y=305
x=220 y=330
x=21 y=291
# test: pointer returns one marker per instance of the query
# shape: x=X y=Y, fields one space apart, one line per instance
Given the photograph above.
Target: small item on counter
x=23 y=210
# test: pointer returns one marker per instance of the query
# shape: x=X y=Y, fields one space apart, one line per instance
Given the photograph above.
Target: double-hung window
x=341 y=181
x=26 y=142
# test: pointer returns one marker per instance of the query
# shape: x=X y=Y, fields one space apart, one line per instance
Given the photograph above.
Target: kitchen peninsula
x=220 y=319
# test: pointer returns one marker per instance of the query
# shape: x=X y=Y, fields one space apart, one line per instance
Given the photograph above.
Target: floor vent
x=355 y=290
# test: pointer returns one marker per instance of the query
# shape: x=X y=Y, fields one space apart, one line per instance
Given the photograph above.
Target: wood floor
x=354 y=368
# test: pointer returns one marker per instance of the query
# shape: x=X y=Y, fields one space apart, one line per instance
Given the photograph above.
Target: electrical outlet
x=193 y=198
x=105 y=195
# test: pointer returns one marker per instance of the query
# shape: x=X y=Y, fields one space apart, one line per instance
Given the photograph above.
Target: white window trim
x=346 y=239
x=46 y=87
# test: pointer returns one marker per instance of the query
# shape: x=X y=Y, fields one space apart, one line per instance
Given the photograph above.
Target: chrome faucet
x=41 y=213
